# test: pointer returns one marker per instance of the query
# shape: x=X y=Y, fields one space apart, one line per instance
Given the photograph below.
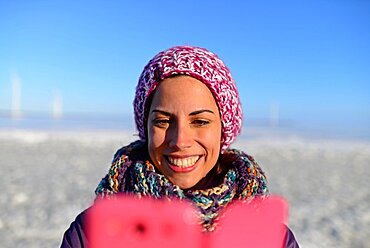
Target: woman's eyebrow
x=191 y=114
x=201 y=111
x=161 y=112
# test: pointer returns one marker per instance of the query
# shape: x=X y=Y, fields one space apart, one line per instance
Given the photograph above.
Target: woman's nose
x=180 y=136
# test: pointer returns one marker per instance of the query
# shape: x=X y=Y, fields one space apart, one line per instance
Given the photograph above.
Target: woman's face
x=184 y=130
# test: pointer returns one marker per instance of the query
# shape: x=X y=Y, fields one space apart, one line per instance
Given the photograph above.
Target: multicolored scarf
x=133 y=173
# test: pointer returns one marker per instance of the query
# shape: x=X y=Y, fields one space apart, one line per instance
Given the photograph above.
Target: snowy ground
x=48 y=178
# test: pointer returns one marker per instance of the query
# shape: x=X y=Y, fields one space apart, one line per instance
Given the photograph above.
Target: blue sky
x=309 y=58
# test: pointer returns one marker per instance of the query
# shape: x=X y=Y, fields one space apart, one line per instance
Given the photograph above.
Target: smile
x=183 y=162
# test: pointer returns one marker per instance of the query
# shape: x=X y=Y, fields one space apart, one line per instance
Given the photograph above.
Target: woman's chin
x=184 y=183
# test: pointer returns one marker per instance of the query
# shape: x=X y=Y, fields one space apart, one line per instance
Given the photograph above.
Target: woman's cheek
x=211 y=135
x=157 y=136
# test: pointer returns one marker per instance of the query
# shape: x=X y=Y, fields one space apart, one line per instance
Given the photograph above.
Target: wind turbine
x=57 y=106
x=16 y=97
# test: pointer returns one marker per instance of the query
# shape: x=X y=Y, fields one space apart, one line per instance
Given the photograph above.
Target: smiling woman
x=187 y=113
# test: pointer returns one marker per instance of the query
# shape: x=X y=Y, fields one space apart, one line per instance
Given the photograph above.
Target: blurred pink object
x=131 y=222
x=261 y=223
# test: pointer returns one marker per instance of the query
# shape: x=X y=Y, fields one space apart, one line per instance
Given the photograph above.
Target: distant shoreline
x=254 y=128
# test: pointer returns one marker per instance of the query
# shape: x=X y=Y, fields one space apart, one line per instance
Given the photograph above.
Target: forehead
x=183 y=92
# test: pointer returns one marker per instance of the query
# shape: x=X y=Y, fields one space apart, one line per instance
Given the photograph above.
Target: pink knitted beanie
x=198 y=63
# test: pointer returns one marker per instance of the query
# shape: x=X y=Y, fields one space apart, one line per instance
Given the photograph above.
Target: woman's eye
x=200 y=122
x=160 y=122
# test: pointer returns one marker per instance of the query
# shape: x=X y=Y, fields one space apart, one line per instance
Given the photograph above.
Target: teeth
x=184 y=162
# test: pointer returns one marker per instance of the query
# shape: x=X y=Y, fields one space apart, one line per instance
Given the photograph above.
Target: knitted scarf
x=133 y=173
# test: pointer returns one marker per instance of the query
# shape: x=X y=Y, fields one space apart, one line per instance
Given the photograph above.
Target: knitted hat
x=198 y=63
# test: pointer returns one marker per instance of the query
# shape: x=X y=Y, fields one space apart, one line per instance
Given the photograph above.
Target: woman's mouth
x=182 y=164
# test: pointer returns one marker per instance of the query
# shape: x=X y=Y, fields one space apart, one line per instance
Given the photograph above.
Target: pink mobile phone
x=132 y=222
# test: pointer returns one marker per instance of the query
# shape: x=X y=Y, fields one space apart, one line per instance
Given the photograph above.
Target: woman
x=187 y=112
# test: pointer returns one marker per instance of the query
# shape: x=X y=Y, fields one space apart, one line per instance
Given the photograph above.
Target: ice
x=47 y=178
